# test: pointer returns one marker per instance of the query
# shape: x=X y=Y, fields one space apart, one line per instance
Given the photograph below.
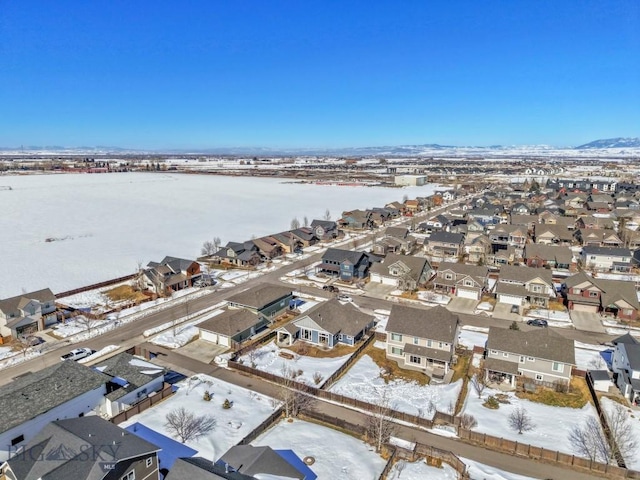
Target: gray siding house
x=264 y=299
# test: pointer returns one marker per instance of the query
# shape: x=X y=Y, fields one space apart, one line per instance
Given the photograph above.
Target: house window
x=494 y=352
x=429 y=342
x=521 y=359
x=305 y=334
x=468 y=283
x=536 y=288
x=396 y=337
x=505 y=354
x=129 y=476
x=416 y=341
x=439 y=344
x=593 y=294
x=397 y=351
x=149 y=462
x=531 y=359
x=415 y=359
x=557 y=367
x=17 y=440
x=539 y=377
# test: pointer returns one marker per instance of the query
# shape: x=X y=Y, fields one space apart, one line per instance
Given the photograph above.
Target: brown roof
x=540 y=343
x=435 y=323
x=335 y=317
x=11 y=304
x=260 y=296
x=523 y=274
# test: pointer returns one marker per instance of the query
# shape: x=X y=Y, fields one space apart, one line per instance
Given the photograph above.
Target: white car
x=344 y=298
x=77 y=354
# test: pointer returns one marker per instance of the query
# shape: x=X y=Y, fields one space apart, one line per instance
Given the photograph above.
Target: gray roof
x=60 y=450
x=231 y=322
x=336 y=318
x=252 y=460
x=445 y=237
x=477 y=272
x=627 y=338
x=511 y=289
x=260 y=296
x=519 y=273
x=9 y=305
x=541 y=343
x=599 y=374
x=432 y=353
x=416 y=265
x=398 y=232
x=502 y=366
x=198 y=468
x=339 y=255
x=615 y=252
x=611 y=290
x=123 y=366
x=175 y=264
x=435 y=323
x=558 y=253
x=36 y=393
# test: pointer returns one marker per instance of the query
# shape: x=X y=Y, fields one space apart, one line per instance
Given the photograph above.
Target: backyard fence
x=94 y=286
x=141 y=406
x=268 y=423
x=346 y=365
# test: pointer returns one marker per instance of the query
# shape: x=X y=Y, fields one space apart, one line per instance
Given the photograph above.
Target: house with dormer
x=444 y=246
x=325 y=229
x=555 y=257
x=617 y=298
x=405 y=272
x=545 y=234
x=26 y=314
x=347 y=265
x=243 y=254
x=171 y=274
x=604 y=259
x=422 y=339
x=525 y=286
x=460 y=280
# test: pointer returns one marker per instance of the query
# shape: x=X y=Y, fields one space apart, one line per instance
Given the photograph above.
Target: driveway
x=462 y=305
x=587 y=321
x=202 y=350
x=502 y=311
x=378 y=290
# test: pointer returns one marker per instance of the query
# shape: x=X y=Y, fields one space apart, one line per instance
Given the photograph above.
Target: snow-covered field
x=363 y=382
x=552 y=424
x=107 y=233
x=337 y=455
x=267 y=359
x=249 y=410
x=632 y=461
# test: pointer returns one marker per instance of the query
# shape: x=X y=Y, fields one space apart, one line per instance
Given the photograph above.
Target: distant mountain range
x=610 y=146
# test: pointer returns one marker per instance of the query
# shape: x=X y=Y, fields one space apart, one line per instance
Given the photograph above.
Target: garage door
x=389 y=281
x=509 y=299
x=472 y=294
x=209 y=336
x=585 y=308
x=223 y=340
x=375 y=277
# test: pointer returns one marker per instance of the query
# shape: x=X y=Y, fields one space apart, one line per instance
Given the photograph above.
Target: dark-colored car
x=537 y=322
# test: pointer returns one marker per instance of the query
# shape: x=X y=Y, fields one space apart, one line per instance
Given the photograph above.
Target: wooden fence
x=268 y=423
x=148 y=402
x=346 y=365
x=94 y=286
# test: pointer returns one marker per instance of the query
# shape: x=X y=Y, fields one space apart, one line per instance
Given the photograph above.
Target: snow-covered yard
x=337 y=455
x=6 y=352
x=363 y=382
x=632 y=460
x=249 y=410
x=480 y=471
x=73 y=326
x=588 y=356
x=177 y=339
x=552 y=424
x=471 y=336
x=267 y=358
x=419 y=470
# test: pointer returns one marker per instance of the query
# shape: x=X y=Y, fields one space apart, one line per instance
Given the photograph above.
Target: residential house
x=484 y=216
x=528 y=221
x=232 y=327
x=503 y=257
x=305 y=236
x=437 y=222
x=357 y=220
x=448 y=195
x=444 y=246
x=380 y=216
x=522 y=286
x=268 y=247
x=423 y=340
x=171 y=274
x=325 y=229
x=553 y=235
x=549 y=256
x=402 y=271
x=412 y=207
x=265 y=463
x=612 y=297
x=132 y=380
x=395 y=240
x=238 y=254
x=598 y=237
x=88 y=448
x=327 y=325
x=588 y=221
x=31 y=401
x=539 y=355
x=508 y=235
x=626 y=367
x=268 y=301
x=287 y=242
x=26 y=314
x=477 y=248
x=520 y=208
x=460 y=280
x=604 y=259
x=347 y=265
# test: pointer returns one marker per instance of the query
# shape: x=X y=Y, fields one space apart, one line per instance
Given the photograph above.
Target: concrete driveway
x=378 y=290
x=587 y=321
x=202 y=350
x=502 y=311
x=462 y=305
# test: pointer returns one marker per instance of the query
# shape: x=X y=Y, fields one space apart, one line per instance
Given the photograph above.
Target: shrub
x=491 y=403
x=317 y=378
x=206 y=396
x=227 y=404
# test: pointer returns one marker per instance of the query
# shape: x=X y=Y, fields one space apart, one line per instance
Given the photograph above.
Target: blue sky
x=196 y=74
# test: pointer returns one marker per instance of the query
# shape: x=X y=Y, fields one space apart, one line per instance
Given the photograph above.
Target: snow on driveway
x=363 y=382
x=337 y=455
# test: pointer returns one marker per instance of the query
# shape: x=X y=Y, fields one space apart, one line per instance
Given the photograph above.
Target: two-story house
x=268 y=247
x=522 y=286
x=444 y=246
x=553 y=235
x=357 y=219
x=460 y=280
x=395 y=240
x=325 y=229
x=347 y=265
x=477 y=248
x=508 y=235
x=171 y=274
x=240 y=254
x=598 y=237
x=423 y=340
x=264 y=300
x=402 y=271
x=549 y=256
x=540 y=355
x=604 y=259
x=27 y=313
x=88 y=448
x=588 y=294
x=626 y=367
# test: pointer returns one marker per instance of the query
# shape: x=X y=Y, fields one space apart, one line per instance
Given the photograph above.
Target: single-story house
x=232 y=327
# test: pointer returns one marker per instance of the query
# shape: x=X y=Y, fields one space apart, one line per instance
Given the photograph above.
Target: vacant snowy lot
x=267 y=358
x=106 y=234
x=363 y=382
x=337 y=455
x=552 y=425
x=249 y=410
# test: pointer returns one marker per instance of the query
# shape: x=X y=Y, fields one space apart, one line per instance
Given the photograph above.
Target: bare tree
x=187 y=426
x=520 y=420
x=622 y=435
x=139 y=277
x=379 y=426
x=327 y=215
x=217 y=243
x=589 y=440
x=22 y=344
x=468 y=421
x=479 y=382
x=87 y=322
x=295 y=223
x=208 y=248
x=293 y=400
x=305 y=221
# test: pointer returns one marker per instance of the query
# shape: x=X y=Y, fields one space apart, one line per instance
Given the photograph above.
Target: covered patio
x=500 y=373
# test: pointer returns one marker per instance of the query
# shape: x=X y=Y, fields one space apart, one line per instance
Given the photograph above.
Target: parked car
x=34 y=340
x=344 y=298
x=537 y=322
x=331 y=288
x=77 y=354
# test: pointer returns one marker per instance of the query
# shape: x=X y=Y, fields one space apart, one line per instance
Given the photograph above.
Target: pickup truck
x=77 y=354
